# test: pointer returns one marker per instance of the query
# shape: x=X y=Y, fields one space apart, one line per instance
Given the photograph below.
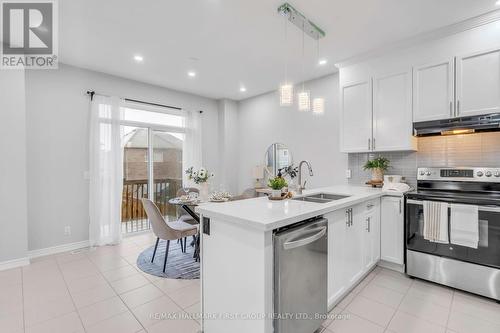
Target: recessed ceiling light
x=191 y=73
x=497 y=3
x=243 y=89
x=322 y=62
x=138 y=58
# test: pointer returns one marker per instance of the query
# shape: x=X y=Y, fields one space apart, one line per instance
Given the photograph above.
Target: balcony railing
x=134 y=217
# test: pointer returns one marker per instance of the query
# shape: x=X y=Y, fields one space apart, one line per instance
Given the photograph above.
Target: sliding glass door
x=166 y=170
x=152 y=164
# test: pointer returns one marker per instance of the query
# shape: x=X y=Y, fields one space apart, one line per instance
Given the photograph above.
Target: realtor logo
x=29 y=34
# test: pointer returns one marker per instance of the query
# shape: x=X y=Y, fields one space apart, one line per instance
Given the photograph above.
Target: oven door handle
x=481 y=208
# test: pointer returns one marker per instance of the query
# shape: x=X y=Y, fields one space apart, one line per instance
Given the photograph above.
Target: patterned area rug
x=179 y=265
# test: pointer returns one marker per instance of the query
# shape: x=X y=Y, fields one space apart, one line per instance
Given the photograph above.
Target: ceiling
x=234 y=43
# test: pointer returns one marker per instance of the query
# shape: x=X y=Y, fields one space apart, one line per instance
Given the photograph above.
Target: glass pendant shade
x=286 y=94
x=304 y=100
x=318 y=105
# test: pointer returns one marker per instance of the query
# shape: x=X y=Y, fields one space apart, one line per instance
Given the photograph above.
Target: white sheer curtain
x=191 y=153
x=106 y=170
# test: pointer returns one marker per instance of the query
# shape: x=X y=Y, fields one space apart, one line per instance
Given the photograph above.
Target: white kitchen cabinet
x=356 y=129
x=337 y=231
x=433 y=91
x=392 y=112
x=371 y=234
x=392 y=229
x=354 y=267
x=478 y=83
x=353 y=246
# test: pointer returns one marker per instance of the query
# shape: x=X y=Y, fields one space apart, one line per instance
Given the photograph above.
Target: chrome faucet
x=301 y=186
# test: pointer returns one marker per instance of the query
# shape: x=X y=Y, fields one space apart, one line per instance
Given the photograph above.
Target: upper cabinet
x=478 y=83
x=392 y=112
x=466 y=85
x=377 y=114
x=356 y=126
x=433 y=91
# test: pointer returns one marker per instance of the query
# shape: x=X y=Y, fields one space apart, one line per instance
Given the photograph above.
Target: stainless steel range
x=467 y=203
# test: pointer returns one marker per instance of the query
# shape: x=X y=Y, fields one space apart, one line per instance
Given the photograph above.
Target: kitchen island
x=237 y=252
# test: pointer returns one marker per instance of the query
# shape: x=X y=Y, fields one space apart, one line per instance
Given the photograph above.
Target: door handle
x=304 y=241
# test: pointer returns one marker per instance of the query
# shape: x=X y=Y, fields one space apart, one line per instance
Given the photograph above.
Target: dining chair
x=167 y=230
x=181 y=212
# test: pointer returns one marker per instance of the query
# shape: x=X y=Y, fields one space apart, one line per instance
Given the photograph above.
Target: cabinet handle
x=451 y=109
x=369 y=144
x=369 y=206
x=373 y=146
x=400 y=208
x=347 y=218
x=458 y=107
x=368 y=220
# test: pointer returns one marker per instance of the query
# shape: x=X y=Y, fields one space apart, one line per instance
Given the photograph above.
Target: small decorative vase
x=377 y=175
x=203 y=191
x=275 y=193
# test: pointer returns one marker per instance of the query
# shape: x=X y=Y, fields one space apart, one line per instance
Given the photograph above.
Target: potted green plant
x=377 y=166
x=277 y=184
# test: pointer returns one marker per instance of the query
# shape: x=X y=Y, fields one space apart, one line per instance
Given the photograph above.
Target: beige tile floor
x=101 y=290
x=387 y=301
x=94 y=291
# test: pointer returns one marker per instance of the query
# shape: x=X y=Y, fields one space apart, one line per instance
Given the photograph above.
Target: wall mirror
x=278 y=156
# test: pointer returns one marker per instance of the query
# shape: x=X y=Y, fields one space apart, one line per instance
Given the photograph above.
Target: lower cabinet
x=353 y=246
x=392 y=230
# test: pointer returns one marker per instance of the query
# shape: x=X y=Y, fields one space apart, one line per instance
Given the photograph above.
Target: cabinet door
x=392 y=112
x=433 y=95
x=337 y=226
x=371 y=235
x=478 y=83
x=354 y=246
x=392 y=230
x=356 y=127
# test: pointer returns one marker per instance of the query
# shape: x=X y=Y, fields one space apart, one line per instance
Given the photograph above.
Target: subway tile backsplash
x=477 y=150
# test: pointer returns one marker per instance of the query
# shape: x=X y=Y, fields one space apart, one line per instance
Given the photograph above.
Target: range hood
x=460 y=125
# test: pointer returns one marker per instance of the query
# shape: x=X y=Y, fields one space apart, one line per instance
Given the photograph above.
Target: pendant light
x=304 y=97
x=286 y=88
x=318 y=106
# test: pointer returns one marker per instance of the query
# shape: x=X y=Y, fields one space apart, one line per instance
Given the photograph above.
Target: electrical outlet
x=67 y=230
x=348 y=174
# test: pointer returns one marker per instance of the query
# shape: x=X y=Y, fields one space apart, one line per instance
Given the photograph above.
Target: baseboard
x=58 y=249
x=392 y=266
x=9 y=264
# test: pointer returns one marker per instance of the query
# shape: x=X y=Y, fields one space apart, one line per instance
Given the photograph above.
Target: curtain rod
x=91 y=93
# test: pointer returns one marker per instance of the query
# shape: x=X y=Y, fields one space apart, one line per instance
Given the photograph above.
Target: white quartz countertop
x=267 y=215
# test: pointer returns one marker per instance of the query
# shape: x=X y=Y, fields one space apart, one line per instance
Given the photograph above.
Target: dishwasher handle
x=307 y=240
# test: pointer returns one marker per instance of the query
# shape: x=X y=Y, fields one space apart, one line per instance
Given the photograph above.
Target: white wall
x=57 y=141
x=228 y=145
x=13 y=218
x=315 y=138
x=478 y=39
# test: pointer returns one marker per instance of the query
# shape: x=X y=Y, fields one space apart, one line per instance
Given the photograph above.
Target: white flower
x=195 y=174
x=203 y=173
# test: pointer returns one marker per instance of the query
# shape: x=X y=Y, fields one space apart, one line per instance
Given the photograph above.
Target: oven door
x=488 y=251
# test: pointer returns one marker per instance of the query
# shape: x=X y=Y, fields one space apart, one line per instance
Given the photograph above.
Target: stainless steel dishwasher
x=300 y=277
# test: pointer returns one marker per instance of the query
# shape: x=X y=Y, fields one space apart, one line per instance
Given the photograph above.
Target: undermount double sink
x=321 y=197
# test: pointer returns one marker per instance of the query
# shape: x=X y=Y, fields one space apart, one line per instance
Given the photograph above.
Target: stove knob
x=488 y=174
x=497 y=174
x=422 y=173
x=428 y=173
x=479 y=173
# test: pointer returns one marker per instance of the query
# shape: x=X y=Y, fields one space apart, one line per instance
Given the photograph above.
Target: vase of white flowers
x=200 y=177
